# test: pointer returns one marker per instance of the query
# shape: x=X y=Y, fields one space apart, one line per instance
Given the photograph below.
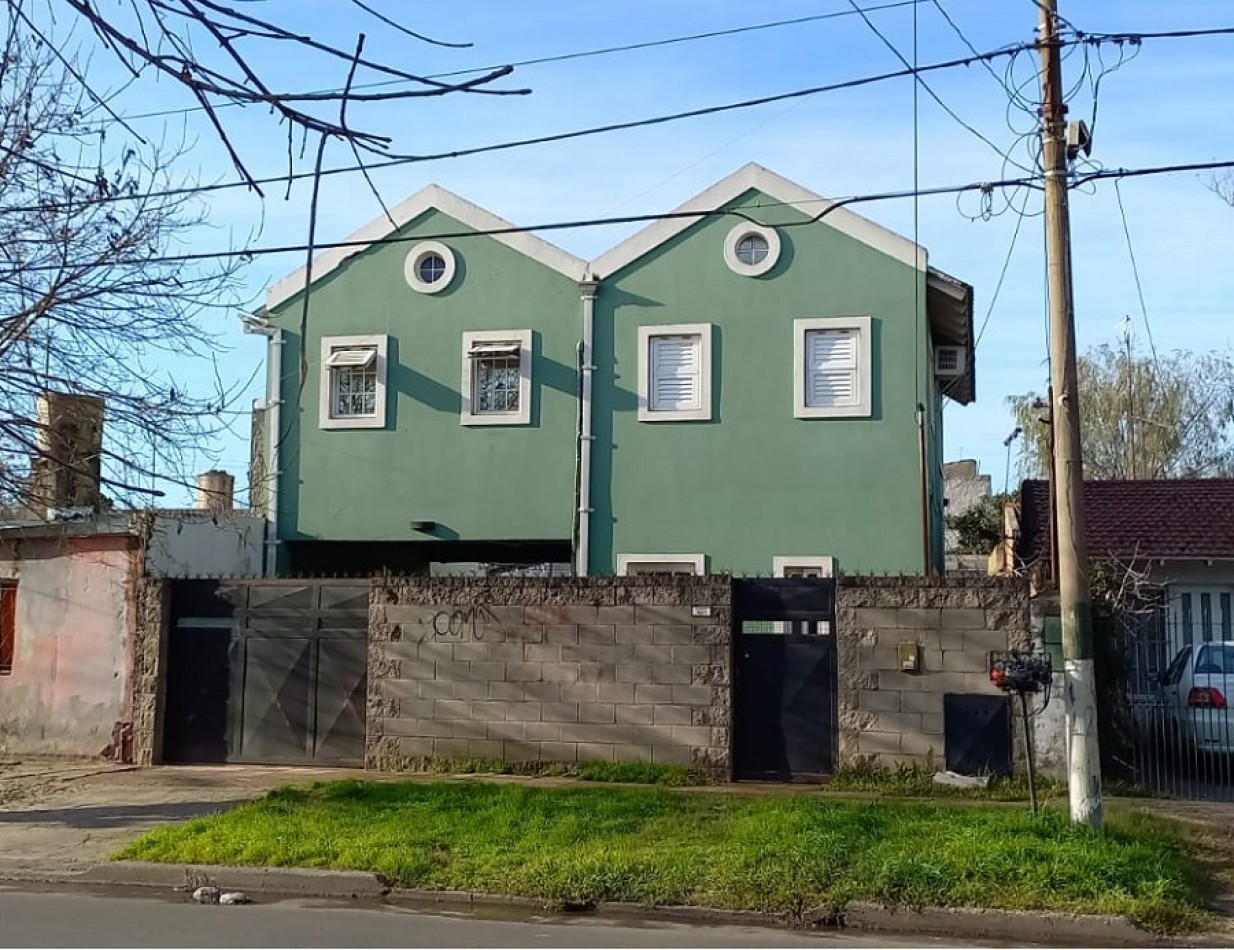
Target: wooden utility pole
x=1084 y=763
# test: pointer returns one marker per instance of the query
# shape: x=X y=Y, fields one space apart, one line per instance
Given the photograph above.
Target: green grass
x=636 y=773
x=913 y=781
x=777 y=853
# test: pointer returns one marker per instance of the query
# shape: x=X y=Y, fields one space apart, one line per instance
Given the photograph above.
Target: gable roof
x=429 y=198
x=1168 y=518
x=949 y=301
x=755 y=177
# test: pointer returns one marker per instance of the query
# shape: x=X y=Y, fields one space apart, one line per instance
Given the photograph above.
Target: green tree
x=1142 y=416
x=979 y=529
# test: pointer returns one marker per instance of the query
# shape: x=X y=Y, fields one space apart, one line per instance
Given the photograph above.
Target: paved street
x=78 y=919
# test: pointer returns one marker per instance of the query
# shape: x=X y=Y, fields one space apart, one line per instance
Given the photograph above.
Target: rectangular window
x=832 y=367
x=353 y=384
x=496 y=381
x=629 y=565
x=8 y=626
x=674 y=373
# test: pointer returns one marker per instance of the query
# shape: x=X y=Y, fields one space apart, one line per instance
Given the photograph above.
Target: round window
x=751 y=250
x=429 y=267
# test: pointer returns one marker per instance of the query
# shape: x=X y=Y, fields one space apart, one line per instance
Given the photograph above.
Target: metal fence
x=1165 y=689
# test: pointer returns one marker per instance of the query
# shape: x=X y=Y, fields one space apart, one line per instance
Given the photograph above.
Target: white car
x=1198 y=689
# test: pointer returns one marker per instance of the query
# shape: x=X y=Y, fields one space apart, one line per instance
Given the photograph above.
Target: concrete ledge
x=286 y=882
x=1016 y=927
x=1021 y=927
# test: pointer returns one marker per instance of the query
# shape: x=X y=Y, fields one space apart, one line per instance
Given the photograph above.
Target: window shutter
x=676 y=379
x=831 y=367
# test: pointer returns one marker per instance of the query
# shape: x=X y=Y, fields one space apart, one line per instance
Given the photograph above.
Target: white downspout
x=275 y=408
x=273 y=405
x=588 y=287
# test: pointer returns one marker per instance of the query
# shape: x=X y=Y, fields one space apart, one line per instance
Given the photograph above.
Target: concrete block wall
x=888 y=716
x=550 y=670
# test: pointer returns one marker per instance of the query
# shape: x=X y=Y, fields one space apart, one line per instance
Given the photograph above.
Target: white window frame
x=327 y=419
x=704 y=332
x=782 y=563
x=736 y=265
x=625 y=561
x=863 y=407
x=411 y=267
x=522 y=417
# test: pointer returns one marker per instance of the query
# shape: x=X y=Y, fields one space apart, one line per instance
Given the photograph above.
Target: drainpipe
x=273 y=404
x=588 y=288
x=925 y=492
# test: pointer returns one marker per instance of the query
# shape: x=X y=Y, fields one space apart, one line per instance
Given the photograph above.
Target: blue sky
x=1169 y=104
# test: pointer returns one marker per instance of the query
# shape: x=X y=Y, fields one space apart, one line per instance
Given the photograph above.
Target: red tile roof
x=1174 y=518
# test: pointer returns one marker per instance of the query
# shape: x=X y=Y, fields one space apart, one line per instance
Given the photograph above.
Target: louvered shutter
x=676 y=380
x=832 y=358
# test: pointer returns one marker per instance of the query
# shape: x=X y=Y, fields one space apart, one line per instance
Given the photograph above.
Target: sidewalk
x=59 y=816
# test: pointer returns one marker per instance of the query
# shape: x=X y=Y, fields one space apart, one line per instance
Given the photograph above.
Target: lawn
x=776 y=853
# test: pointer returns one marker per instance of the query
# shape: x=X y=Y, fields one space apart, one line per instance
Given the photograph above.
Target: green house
x=753 y=383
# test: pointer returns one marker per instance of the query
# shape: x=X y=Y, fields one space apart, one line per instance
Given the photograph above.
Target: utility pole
x=1084 y=763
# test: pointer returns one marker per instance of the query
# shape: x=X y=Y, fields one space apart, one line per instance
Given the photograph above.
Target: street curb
x=285 y=882
x=1017 y=927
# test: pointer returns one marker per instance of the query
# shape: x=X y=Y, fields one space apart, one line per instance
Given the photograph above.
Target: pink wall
x=74 y=630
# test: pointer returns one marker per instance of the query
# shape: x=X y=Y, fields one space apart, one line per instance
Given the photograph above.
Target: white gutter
x=273 y=405
x=588 y=287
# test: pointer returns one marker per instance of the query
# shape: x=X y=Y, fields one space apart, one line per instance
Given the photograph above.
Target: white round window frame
x=411 y=267
x=751 y=270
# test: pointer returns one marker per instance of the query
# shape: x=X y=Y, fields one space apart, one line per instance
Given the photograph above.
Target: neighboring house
x=964 y=489
x=75 y=673
x=1177 y=534
x=712 y=394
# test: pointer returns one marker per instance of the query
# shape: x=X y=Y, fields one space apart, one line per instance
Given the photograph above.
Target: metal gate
x=279 y=679
x=299 y=672
x=198 y=665
x=1168 y=727
x=785 y=696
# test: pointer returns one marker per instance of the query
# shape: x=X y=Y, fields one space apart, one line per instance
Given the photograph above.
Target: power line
x=916 y=73
x=288 y=179
x=1002 y=275
x=1135 y=270
x=832 y=205
x=579 y=54
x=561 y=136
x=972 y=49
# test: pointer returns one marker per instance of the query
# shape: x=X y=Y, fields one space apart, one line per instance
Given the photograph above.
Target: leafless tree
x=1223 y=187
x=220 y=54
x=86 y=303
x=90 y=210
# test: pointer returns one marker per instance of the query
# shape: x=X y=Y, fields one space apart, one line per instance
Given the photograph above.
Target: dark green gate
x=270 y=672
x=298 y=672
